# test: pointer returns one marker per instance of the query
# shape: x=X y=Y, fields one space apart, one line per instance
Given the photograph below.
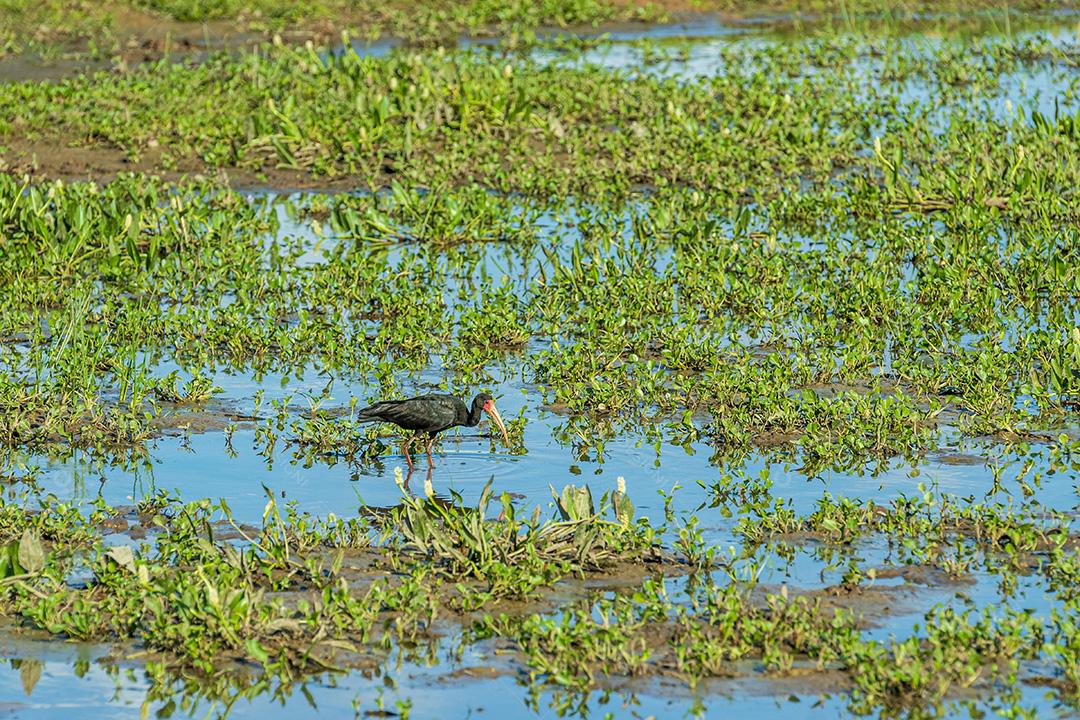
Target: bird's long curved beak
x=490 y=410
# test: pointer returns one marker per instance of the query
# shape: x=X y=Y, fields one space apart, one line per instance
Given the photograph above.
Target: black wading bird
x=432 y=414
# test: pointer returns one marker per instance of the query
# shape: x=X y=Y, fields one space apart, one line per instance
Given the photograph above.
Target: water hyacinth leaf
x=123 y=556
x=574 y=503
x=31 y=555
x=9 y=561
x=257 y=651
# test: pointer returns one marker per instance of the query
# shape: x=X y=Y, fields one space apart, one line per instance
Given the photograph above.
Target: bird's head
x=487 y=403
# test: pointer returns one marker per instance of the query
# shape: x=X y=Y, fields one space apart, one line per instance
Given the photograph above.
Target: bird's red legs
x=405 y=449
x=430 y=462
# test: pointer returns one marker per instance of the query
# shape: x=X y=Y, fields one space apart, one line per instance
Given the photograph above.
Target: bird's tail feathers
x=371 y=412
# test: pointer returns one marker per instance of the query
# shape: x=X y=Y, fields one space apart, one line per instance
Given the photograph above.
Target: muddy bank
x=66 y=158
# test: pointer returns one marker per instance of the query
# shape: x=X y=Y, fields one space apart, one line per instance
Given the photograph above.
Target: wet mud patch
x=69 y=158
x=179 y=422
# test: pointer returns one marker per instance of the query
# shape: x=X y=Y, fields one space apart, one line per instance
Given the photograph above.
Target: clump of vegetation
x=300 y=589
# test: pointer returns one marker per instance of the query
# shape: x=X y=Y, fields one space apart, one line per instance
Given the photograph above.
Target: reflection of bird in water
x=432 y=414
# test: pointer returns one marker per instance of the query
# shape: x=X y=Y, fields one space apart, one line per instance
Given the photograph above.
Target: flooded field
x=782 y=314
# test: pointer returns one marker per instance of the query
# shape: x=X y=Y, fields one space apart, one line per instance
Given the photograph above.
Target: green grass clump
x=293 y=594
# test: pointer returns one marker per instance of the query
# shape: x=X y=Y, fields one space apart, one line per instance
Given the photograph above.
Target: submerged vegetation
x=824 y=282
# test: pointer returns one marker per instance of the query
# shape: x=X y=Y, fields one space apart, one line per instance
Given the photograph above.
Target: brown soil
x=58 y=158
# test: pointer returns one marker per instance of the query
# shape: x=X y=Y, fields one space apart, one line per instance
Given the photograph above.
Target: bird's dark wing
x=428 y=413
x=377 y=410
